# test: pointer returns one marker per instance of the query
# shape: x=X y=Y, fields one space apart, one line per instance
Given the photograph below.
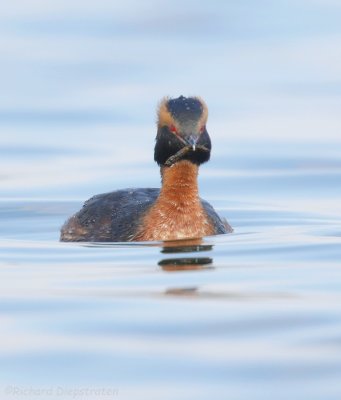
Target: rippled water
x=251 y=315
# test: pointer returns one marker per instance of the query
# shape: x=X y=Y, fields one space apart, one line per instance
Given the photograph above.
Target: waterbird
x=173 y=212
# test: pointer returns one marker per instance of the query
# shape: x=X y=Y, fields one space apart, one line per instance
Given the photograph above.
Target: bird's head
x=182 y=133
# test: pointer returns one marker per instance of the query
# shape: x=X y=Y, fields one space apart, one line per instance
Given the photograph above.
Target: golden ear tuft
x=164 y=117
x=203 y=118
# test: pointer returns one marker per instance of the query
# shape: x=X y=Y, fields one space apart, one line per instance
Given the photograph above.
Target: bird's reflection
x=185 y=246
x=185 y=263
x=186 y=292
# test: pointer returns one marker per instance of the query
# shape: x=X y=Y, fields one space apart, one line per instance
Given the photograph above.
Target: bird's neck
x=180 y=182
x=177 y=213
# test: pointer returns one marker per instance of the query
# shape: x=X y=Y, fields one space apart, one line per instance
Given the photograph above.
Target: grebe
x=173 y=212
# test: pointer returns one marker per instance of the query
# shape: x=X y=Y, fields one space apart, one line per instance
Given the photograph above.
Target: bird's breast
x=174 y=220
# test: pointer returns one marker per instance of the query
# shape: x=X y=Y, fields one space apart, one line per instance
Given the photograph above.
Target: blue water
x=251 y=315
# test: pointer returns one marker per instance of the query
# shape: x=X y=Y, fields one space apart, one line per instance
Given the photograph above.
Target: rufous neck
x=181 y=177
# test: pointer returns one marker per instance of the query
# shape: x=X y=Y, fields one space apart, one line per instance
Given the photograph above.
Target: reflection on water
x=182 y=292
x=185 y=246
x=185 y=263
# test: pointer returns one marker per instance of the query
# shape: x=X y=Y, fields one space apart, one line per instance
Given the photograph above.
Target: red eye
x=173 y=129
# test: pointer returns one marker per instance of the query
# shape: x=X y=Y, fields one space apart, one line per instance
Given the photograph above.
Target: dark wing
x=220 y=224
x=110 y=217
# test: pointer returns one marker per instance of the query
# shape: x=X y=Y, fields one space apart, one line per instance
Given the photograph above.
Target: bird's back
x=110 y=217
x=117 y=217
